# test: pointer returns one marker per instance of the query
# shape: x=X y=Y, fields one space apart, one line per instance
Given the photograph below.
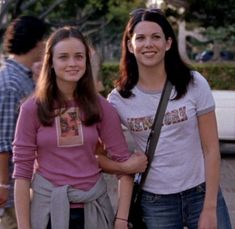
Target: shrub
x=109 y=73
x=221 y=76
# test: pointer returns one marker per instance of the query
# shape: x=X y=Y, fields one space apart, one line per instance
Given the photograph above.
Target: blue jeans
x=174 y=211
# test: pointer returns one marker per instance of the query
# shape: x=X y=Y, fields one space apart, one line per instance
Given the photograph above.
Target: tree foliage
x=214 y=13
x=101 y=20
x=215 y=18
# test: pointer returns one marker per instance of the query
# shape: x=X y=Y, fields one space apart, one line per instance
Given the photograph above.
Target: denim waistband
x=198 y=188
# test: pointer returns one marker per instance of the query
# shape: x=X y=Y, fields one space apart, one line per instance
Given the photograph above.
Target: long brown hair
x=178 y=73
x=48 y=94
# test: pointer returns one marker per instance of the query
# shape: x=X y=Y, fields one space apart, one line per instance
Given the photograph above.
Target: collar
x=20 y=67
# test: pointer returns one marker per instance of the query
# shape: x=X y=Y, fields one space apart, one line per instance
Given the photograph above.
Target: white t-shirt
x=178 y=163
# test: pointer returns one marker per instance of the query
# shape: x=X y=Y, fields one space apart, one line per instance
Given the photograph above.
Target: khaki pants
x=8 y=220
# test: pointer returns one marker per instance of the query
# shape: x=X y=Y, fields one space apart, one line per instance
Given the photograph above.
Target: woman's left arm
x=210 y=144
x=111 y=135
x=124 y=199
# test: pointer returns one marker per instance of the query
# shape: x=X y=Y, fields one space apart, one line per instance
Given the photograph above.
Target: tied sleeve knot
x=54 y=202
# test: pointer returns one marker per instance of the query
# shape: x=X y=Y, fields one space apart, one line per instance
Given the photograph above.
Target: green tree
x=101 y=20
x=214 y=13
x=205 y=24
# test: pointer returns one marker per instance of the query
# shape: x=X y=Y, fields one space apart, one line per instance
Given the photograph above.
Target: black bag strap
x=156 y=129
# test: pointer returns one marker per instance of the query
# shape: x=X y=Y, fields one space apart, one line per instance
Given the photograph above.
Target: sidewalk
x=228 y=185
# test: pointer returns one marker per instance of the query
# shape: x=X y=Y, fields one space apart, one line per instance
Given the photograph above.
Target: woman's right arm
x=24 y=154
x=22 y=203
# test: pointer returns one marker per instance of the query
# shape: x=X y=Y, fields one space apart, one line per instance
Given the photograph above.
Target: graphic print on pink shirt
x=69 y=128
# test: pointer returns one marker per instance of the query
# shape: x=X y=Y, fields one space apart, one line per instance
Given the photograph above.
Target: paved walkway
x=228 y=185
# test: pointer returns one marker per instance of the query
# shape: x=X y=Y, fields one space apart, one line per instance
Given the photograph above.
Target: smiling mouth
x=72 y=71
x=149 y=54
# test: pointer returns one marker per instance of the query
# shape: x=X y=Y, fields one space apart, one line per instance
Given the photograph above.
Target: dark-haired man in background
x=23 y=44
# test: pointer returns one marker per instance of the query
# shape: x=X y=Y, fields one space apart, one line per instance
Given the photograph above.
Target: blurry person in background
x=37 y=65
x=23 y=45
x=36 y=69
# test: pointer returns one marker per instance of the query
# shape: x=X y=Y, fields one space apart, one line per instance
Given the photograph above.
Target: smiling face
x=148 y=44
x=69 y=61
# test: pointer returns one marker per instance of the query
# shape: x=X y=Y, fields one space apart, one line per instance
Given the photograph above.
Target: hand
x=136 y=163
x=3 y=196
x=100 y=149
x=208 y=219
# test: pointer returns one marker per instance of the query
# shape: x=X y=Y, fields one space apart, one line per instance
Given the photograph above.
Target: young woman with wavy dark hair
x=58 y=128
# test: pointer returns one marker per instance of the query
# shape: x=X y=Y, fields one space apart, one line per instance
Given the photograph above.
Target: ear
x=129 y=46
x=168 y=43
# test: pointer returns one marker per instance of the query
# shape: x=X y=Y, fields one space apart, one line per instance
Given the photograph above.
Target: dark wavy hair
x=23 y=34
x=48 y=94
x=178 y=73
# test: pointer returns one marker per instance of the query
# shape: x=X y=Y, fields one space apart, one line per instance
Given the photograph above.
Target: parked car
x=227 y=55
x=225 y=114
x=208 y=55
x=204 y=56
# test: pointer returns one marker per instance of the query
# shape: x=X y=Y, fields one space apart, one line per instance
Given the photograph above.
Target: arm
x=22 y=203
x=125 y=191
x=8 y=101
x=4 y=177
x=210 y=144
x=115 y=143
x=136 y=163
x=24 y=150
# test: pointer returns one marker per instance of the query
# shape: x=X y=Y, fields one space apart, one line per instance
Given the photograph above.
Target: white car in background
x=225 y=114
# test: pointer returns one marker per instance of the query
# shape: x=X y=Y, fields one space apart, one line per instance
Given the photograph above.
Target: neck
x=23 y=59
x=67 y=89
x=152 y=78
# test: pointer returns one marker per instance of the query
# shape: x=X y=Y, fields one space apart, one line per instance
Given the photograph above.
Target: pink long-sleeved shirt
x=65 y=151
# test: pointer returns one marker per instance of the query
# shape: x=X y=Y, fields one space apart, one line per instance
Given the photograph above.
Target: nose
x=148 y=42
x=71 y=61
